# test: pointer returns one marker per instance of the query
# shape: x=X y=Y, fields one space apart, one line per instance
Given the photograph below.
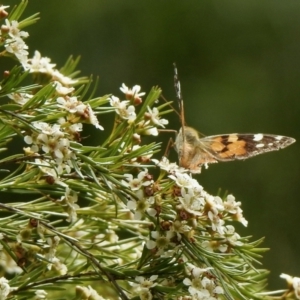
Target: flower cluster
x=142 y=286
x=191 y=210
x=13 y=39
x=126 y=110
x=50 y=142
x=202 y=286
x=141 y=186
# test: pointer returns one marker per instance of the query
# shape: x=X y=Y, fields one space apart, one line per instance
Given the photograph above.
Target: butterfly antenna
x=179 y=98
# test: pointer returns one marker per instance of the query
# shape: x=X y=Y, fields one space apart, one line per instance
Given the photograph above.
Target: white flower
x=201 y=287
x=162 y=242
x=136 y=183
x=17 y=47
x=4 y=288
x=50 y=140
x=231 y=236
x=69 y=202
x=143 y=286
x=231 y=205
x=154 y=116
x=150 y=131
x=145 y=282
x=87 y=293
x=126 y=113
x=215 y=204
x=132 y=93
x=139 y=207
x=14 y=30
x=115 y=102
x=164 y=164
x=39 y=64
x=180 y=227
x=130 y=114
x=71 y=104
x=3 y=13
x=190 y=202
x=183 y=180
x=62 y=90
x=20 y=98
x=293 y=282
x=59 y=266
x=40 y=294
x=65 y=80
x=213 y=245
x=47 y=129
x=216 y=222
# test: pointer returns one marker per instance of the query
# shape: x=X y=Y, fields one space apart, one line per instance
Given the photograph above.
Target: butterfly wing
x=195 y=151
x=234 y=146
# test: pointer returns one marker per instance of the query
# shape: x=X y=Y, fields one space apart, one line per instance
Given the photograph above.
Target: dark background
x=239 y=65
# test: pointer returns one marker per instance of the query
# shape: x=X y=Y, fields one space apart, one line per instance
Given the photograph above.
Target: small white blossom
x=20 y=98
x=17 y=47
x=214 y=245
x=141 y=206
x=231 y=236
x=154 y=117
x=122 y=109
x=13 y=29
x=164 y=164
x=161 y=242
x=150 y=131
x=3 y=12
x=132 y=93
x=39 y=64
x=143 y=286
x=216 y=222
x=71 y=104
x=69 y=203
x=87 y=293
x=65 y=80
x=180 y=227
x=40 y=295
x=231 y=205
x=183 y=180
x=4 y=288
x=62 y=90
x=201 y=287
x=294 y=282
x=136 y=183
x=215 y=204
x=116 y=103
x=190 y=202
x=59 y=266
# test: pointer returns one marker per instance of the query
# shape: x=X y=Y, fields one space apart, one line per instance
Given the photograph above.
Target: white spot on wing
x=258 y=137
x=260 y=145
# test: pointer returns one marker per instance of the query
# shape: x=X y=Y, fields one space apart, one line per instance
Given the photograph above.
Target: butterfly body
x=195 y=151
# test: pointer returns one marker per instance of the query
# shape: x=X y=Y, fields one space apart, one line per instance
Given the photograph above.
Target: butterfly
x=195 y=151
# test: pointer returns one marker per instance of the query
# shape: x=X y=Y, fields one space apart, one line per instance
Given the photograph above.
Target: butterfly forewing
x=234 y=146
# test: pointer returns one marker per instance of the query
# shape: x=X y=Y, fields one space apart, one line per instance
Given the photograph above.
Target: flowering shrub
x=119 y=213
